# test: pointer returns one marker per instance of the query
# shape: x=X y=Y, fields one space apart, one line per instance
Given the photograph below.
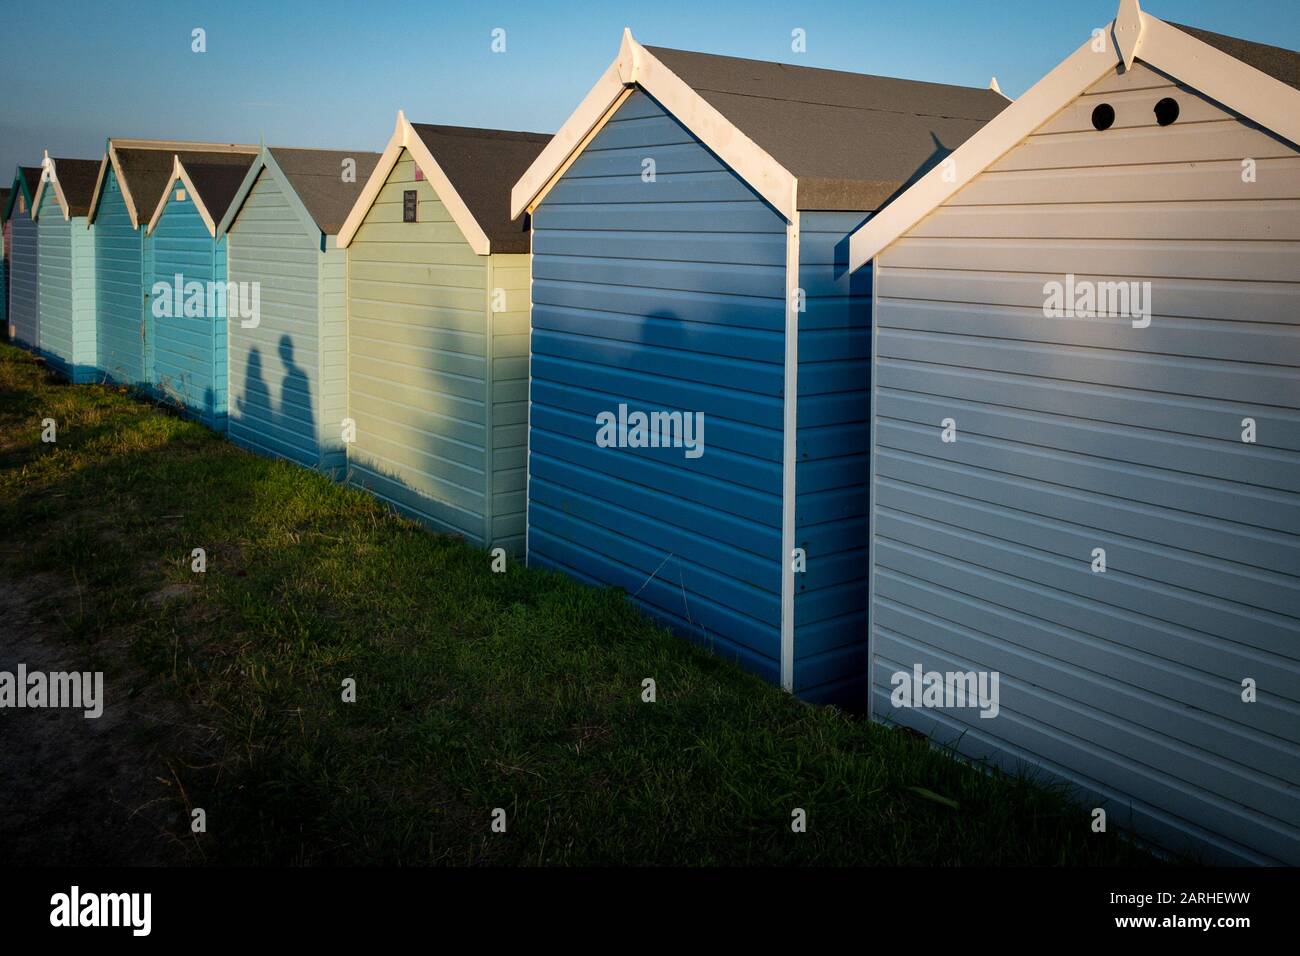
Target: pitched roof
x=32 y=178
x=316 y=176
x=148 y=169
x=31 y=182
x=1204 y=62
x=217 y=183
x=482 y=165
x=77 y=181
x=1278 y=62
x=852 y=140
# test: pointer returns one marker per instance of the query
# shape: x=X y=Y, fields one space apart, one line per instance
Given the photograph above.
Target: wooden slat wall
x=120 y=300
x=275 y=367
x=664 y=295
x=1079 y=433
x=417 y=361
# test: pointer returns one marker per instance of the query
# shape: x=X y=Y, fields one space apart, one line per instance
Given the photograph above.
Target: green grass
x=475 y=690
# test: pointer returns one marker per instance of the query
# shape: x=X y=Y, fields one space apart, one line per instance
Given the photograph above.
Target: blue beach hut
x=188 y=294
x=24 y=259
x=133 y=175
x=66 y=272
x=701 y=355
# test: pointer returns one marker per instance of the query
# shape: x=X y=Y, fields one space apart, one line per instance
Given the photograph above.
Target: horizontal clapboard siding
x=832 y=521
x=275 y=366
x=417 y=361
x=663 y=293
x=55 y=278
x=119 y=294
x=1083 y=433
x=67 y=280
x=189 y=352
x=24 y=278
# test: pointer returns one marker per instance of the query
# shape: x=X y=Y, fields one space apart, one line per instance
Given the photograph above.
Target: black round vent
x=1103 y=116
x=1166 y=111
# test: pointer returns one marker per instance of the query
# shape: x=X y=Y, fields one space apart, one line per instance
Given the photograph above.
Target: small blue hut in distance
x=66 y=270
x=23 y=247
x=133 y=176
x=187 y=286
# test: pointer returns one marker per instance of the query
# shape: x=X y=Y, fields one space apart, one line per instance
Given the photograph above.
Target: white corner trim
x=789 y=451
x=871 y=491
x=636 y=66
x=406 y=138
x=1080 y=70
x=192 y=194
x=1238 y=86
x=993 y=85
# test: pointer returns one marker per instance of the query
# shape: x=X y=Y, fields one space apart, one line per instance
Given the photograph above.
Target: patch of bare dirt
x=73 y=790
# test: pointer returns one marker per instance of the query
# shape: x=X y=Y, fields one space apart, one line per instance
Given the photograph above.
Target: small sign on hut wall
x=408 y=205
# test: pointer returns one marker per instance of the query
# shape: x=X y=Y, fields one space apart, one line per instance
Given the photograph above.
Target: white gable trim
x=1240 y=87
x=110 y=157
x=635 y=66
x=406 y=138
x=99 y=187
x=192 y=194
x=49 y=176
x=266 y=162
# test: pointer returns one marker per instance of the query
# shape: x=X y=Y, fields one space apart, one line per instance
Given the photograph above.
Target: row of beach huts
x=870 y=384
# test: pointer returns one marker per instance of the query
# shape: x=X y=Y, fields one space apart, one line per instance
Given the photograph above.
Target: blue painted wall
x=832 y=472
x=665 y=295
x=66 y=277
x=120 y=305
x=189 y=358
x=24 y=279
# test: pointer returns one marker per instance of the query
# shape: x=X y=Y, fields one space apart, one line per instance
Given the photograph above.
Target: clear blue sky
x=333 y=74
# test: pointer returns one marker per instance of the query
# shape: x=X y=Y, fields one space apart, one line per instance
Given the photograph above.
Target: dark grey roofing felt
x=32 y=177
x=148 y=170
x=317 y=177
x=851 y=139
x=77 y=179
x=1276 y=61
x=217 y=183
x=483 y=165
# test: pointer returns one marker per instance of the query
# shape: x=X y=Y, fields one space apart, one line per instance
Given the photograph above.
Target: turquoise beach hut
x=24 y=252
x=66 y=272
x=288 y=364
x=187 y=285
x=133 y=175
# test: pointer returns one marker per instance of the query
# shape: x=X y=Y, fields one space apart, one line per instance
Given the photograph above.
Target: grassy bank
x=474 y=690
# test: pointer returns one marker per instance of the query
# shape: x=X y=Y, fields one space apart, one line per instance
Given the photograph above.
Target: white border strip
x=789 y=450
